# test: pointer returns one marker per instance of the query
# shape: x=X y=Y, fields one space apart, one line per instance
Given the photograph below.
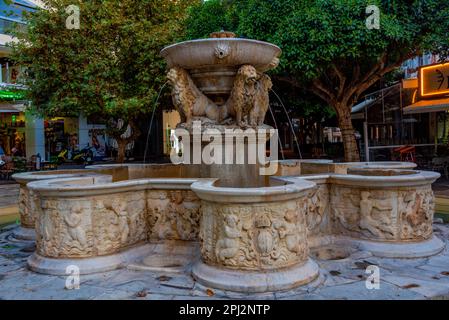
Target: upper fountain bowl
x=213 y=62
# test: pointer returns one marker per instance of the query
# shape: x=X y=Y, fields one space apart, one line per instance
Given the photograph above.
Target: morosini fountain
x=233 y=222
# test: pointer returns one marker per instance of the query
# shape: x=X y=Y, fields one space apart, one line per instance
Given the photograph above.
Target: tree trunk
x=118 y=132
x=347 y=132
x=121 y=149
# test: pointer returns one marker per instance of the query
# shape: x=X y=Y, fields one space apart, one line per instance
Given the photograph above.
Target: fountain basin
x=118 y=172
x=102 y=217
x=213 y=63
x=385 y=211
x=312 y=167
x=254 y=239
x=82 y=219
x=228 y=52
x=26 y=202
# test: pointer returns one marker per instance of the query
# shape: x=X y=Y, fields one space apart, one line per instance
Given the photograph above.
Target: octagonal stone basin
x=114 y=214
x=125 y=172
x=120 y=172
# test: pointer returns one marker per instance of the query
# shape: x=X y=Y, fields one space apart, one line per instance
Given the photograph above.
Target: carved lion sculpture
x=261 y=100
x=188 y=100
x=242 y=97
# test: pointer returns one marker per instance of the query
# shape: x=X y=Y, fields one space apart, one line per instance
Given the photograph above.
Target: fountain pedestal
x=254 y=239
x=237 y=157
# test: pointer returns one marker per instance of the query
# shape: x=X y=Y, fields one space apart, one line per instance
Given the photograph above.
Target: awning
x=374 y=97
x=425 y=106
x=11 y=108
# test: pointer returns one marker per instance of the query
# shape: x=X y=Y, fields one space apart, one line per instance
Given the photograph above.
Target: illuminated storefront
x=432 y=94
x=411 y=113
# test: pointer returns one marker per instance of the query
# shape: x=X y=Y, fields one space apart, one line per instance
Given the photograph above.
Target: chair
x=7 y=170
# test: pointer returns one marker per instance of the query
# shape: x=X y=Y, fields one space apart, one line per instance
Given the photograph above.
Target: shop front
x=12 y=129
x=408 y=121
x=26 y=135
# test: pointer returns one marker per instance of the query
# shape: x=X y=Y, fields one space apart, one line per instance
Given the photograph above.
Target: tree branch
x=320 y=90
x=341 y=81
x=384 y=70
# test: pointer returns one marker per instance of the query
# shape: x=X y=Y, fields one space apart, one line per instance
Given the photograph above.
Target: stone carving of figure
x=24 y=210
x=228 y=246
x=46 y=227
x=366 y=206
x=136 y=214
x=119 y=207
x=411 y=204
x=261 y=100
x=247 y=104
x=428 y=204
x=416 y=211
x=241 y=101
x=315 y=210
x=73 y=219
x=288 y=230
x=188 y=100
x=367 y=222
x=178 y=215
x=346 y=210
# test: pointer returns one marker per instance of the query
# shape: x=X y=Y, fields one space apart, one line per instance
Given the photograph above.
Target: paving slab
x=9 y=195
x=339 y=279
x=427 y=288
x=359 y=291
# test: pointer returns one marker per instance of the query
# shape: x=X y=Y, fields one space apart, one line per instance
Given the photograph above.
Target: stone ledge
x=26 y=234
x=255 y=282
x=406 y=250
x=58 y=267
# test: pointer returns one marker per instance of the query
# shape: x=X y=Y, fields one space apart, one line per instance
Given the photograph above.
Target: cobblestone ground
x=339 y=279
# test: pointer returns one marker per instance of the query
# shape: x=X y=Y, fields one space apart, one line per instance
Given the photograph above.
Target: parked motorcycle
x=84 y=156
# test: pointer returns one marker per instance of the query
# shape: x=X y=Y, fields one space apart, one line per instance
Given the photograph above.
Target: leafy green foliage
x=210 y=16
x=316 y=34
x=110 y=67
x=327 y=47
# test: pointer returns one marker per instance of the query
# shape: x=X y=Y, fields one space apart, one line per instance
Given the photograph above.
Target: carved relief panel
x=365 y=213
x=95 y=226
x=317 y=214
x=382 y=214
x=416 y=209
x=254 y=236
x=119 y=221
x=173 y=215
x=27 y=216
x=64 y=229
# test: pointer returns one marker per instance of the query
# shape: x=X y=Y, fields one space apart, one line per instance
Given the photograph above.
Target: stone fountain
x=222 y=221
x=219 y=84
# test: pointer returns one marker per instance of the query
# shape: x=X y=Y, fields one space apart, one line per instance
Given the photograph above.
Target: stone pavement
x=9 y=194
x=339 y=279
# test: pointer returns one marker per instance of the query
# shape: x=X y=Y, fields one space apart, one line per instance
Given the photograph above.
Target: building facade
x=397 y=123
x=22 y=133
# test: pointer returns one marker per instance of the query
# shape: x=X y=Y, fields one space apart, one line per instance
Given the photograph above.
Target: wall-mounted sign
x=11 y=95
x=434 y=80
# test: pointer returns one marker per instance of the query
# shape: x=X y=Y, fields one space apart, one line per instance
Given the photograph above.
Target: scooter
x=85 y=156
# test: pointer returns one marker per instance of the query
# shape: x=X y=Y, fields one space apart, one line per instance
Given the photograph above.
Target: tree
x=109 y=68
x=210 y=16
x=328 y=48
